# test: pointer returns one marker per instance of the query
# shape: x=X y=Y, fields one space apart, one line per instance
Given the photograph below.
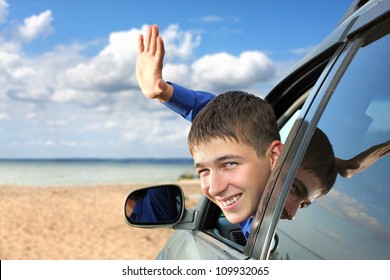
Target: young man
x=316 y=174
x=235 y=143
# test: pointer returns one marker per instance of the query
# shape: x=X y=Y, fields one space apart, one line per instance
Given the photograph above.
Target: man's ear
x=275 y=150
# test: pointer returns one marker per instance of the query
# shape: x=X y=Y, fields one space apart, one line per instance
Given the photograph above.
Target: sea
x=84 y=172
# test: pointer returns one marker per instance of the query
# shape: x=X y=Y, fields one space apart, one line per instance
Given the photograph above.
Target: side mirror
x=156 y=205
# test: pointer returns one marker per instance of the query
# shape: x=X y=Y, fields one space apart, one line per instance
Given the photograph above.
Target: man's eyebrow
x=220 y=159
x=228 y=157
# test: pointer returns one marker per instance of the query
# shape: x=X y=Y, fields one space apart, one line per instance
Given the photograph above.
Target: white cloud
x=223 y=70
x=349 y=209
x=154 y=129
x=109 y=70
x=129 y=136
x=179 y=44
x=111 y=125
x=33 y=79
x=4 y=116
x=67 y=143
x=9 y=53
x=212 y=19
x=46 y=143
x=3 y=10
x=31 y=116
x=84 y=97
x=49 y=143
x=29 y=91
x=57 y=122
x=178 y=73
x=35 y=26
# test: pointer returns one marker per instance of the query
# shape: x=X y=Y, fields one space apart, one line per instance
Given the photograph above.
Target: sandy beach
x=76 y=223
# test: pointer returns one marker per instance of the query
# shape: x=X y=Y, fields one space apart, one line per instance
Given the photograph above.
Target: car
x=341 y=87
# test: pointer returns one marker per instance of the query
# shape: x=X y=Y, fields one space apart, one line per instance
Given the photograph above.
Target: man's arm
x=186 y=102
x=350 y=167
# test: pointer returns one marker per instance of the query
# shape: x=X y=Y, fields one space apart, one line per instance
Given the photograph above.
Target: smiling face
x=233 y=176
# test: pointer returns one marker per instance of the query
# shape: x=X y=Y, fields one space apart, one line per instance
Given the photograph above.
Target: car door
x=350 y=104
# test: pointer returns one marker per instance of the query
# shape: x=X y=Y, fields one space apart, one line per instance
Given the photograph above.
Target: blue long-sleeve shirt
x=188 y=104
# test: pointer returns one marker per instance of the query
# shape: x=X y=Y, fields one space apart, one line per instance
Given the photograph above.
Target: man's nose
x=217 y=184
x=291 y=208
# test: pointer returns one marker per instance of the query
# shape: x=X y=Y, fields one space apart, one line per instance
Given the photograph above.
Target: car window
x=351 y=221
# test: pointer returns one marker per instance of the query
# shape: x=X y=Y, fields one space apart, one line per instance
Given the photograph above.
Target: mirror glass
x=154 y=205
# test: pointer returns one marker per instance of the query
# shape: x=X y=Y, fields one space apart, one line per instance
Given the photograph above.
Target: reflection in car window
x=285 y=130
x=291 y=115
x=352 y=221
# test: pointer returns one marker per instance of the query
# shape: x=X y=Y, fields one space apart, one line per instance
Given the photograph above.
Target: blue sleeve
x=188 y=102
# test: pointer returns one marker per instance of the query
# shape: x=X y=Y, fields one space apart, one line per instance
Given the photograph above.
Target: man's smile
x=230 y=200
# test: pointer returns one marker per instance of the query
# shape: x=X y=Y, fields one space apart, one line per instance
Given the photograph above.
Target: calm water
x=92 y=172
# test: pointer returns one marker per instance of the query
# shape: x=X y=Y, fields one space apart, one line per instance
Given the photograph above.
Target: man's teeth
x=230 y=201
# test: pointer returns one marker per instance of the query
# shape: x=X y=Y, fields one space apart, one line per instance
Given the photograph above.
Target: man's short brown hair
x=320 y=160
x=239 y=116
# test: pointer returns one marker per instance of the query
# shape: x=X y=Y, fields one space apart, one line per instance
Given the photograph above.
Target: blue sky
x=67 y=79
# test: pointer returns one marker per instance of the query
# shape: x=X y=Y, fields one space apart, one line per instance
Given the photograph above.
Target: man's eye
x=202 y=172
x=294 y=189
x=230 y=164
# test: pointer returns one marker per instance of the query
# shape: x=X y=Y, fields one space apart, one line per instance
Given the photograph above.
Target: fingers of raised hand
x=141 y=46
x=160 y=50
x=150 y=40
x=153 y=39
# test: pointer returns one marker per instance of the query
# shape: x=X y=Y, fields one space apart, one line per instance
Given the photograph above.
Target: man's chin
x=234 y=219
